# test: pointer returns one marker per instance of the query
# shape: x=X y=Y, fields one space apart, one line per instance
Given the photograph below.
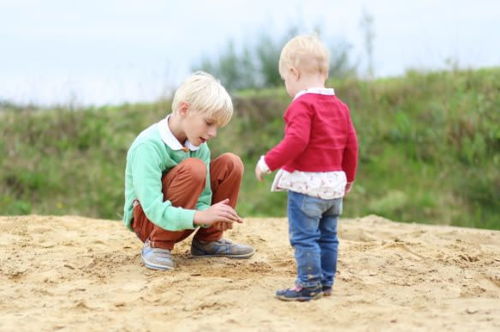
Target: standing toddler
x=317 y=160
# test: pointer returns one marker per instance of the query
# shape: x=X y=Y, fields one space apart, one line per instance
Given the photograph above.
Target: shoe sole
x=299 y=299
x=157 y=267
x=228 y=256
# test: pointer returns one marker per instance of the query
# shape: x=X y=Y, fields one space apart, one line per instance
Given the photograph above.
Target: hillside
x=430 y=150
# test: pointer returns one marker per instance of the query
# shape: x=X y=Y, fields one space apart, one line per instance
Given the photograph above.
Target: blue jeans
x=313 y=234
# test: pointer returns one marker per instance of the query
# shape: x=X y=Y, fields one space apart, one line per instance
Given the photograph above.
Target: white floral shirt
x=325 y=185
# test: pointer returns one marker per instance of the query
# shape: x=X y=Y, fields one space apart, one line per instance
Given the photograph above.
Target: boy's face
x=199 y=127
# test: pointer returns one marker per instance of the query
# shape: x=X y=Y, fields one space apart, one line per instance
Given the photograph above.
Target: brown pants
x=182 y=186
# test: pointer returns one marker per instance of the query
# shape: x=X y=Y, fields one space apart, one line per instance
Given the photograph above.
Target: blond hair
x=204 y=94
x=307 y=54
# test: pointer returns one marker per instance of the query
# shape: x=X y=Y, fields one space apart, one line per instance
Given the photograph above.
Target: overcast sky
x=112 y=51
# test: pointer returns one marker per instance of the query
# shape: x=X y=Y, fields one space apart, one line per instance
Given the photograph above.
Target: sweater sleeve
x=350 y=157
x=147 y=174
x=206 y=196
x=297 y=132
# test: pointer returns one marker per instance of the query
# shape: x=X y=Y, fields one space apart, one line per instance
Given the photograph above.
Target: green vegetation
x=430 y=150
x=254 y=65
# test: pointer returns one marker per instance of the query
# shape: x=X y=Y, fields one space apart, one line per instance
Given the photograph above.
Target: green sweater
x=148 y=159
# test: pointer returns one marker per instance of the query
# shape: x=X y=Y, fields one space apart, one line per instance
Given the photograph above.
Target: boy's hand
x=219 y=213
x=222 y=226
x=259 y=174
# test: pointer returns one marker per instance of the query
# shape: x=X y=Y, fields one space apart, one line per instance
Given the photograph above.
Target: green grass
x=429 y=150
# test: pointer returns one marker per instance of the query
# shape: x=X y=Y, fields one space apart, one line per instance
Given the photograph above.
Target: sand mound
x=75 y=273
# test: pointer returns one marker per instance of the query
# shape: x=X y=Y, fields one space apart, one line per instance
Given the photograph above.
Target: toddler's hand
x=261 y=169
x=258 y=173
x=348 y=187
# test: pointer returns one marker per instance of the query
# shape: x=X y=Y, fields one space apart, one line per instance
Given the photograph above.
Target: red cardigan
x=319 y=137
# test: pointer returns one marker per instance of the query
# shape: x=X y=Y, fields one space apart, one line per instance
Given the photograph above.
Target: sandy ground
x=79 y=274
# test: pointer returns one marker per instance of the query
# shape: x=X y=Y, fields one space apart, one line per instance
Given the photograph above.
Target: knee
x=195 y=169
x=234 y=162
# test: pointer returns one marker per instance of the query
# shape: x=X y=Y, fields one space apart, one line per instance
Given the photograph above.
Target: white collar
x=321 y=91
x=168 y=137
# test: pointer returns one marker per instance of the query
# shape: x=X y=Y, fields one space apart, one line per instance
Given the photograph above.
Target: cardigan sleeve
x=206 y=196
x=298 y=118
x=350 y=156
x=147 y=173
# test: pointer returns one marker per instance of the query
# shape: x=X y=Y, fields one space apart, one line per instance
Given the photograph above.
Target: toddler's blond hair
x=205 y=94
x=307 y=54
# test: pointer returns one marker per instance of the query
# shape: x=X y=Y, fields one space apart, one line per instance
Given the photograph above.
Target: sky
x=98 y=52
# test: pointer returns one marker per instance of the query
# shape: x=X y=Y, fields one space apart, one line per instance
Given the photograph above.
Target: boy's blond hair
x=307 y=54
x=205 y=94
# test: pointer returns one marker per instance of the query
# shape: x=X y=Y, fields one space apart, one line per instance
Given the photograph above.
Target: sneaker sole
x=228 y=256
x=299 y=299
x=157 y=267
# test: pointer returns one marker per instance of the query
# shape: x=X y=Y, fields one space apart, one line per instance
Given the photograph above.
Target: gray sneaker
x=221 y=248
x=157 y=258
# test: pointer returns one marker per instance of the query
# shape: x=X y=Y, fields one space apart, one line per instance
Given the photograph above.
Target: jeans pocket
x=335 y=208
x=312 y=207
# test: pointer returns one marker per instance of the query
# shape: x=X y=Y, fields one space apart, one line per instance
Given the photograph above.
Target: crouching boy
x=173 y=188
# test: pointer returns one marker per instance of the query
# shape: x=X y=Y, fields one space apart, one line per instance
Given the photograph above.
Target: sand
x=78 y=274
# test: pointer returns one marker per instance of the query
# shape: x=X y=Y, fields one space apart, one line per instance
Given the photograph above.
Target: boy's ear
x=183 y=108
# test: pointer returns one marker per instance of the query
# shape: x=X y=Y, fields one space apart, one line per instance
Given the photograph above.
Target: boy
x=317 y=159
x=172 y=187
